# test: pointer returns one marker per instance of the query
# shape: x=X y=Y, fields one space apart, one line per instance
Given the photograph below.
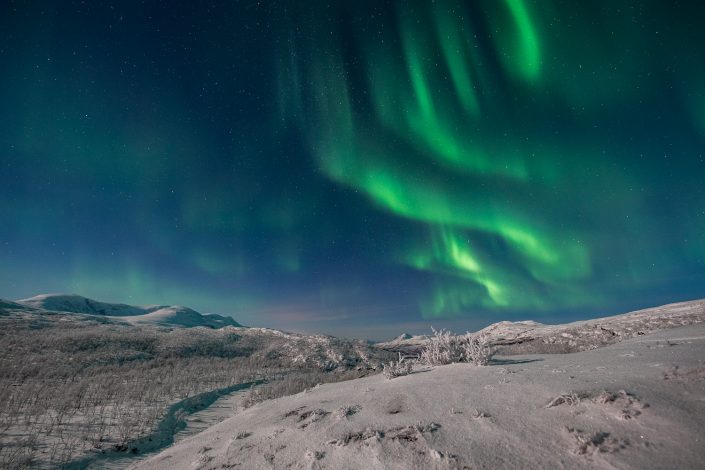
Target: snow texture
x=619 y=406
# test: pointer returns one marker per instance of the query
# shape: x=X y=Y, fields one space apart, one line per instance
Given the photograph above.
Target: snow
x=178 y=316
x=159 y=315
x=635 y=404
x=530 y=336
x=77 y=304
x=404 y=343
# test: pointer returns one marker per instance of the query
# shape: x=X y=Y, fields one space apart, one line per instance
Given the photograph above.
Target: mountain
x=179 y=316
x=6 y=304
x=77 y=304
x=404 y=344
x=160 y=315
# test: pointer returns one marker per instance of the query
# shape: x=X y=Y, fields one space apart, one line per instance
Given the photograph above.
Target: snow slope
x=178 y=316
x=636 y=404
x=77 y=304
x=159 y=315
x=532 y=337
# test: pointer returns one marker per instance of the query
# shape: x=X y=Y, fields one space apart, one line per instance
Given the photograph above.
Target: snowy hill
x=6 y=304
x=160 y=315
x=404 y=343
x=527 y=336
x=403 y=337
x=178 y=316
x=633 y=405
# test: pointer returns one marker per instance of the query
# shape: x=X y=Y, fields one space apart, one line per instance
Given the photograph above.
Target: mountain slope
x=160 y=315
x=178 y=316
x=404 y=343
x=119 y=379
x=520 y=337
x=77 y=304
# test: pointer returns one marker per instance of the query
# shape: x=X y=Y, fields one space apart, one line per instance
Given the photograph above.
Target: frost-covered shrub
x=477 y=349
x=347 y=411
x=444 y=348
x=398 y=368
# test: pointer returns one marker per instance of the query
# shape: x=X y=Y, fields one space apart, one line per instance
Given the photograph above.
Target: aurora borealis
x=357 y=168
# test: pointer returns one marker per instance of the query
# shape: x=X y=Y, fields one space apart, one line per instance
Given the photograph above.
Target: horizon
x=388 y=332
x=355 y=170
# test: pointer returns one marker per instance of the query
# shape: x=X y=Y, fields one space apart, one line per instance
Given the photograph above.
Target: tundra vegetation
x=71 y=385
x=400 y=367
x=444 y=348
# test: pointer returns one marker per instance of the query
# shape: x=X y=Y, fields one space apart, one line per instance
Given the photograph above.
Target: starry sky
x=355 y=168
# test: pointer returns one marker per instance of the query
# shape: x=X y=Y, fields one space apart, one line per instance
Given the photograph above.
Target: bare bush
x=19 y=453
x=80 y=386
x=398 y=368
x=570 y=399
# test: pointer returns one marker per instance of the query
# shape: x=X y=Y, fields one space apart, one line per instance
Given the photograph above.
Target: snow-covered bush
x=477 y=349
x=398 y=368
x=444 y=348
x=441 y=348
x=347 y=411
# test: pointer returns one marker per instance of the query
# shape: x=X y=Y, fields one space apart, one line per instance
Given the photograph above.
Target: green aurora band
x=356 y=168
x=449 y=126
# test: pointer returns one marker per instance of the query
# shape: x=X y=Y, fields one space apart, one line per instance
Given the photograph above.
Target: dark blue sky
x=358 y=170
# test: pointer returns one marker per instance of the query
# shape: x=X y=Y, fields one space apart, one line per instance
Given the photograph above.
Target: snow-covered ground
x=639 y=403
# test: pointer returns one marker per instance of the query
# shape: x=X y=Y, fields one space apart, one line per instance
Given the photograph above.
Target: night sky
x=360 y=168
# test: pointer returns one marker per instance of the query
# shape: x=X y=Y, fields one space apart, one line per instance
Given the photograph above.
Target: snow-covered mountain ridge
x=159 y=315
x=528 y=336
